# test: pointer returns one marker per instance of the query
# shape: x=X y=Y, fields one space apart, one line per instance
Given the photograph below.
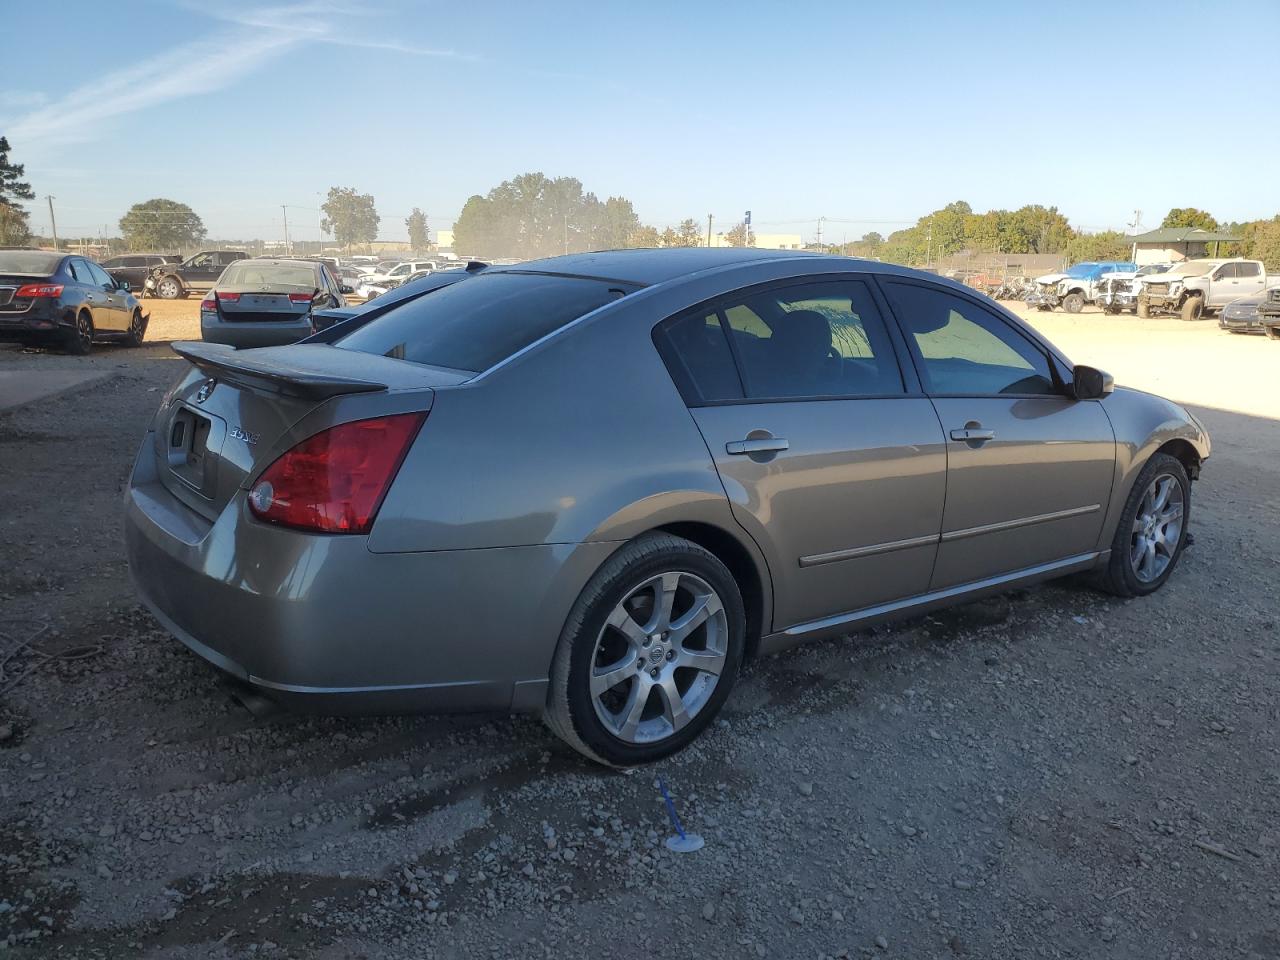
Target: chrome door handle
x=969 y=435
x=762 y=445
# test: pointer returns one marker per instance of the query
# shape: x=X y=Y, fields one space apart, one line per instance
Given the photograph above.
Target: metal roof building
x=1174 y=244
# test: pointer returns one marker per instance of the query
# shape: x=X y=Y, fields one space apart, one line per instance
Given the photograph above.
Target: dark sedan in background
x=1241 y=316
x=263 y=303
x=134 y=268
x=59 y=298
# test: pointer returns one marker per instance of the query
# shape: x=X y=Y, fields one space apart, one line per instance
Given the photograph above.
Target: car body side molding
x=914 y=606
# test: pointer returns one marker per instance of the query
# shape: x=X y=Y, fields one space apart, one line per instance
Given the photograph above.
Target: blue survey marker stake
x=682 y=842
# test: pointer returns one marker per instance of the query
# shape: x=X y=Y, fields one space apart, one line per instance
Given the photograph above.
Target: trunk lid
x=272 y=306
x=232 y=415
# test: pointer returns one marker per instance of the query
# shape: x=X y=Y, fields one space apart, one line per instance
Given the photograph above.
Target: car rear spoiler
x=242 y=367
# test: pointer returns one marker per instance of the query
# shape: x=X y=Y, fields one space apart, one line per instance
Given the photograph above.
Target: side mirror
x=124 y=285
x=1090 y=383
x=345 y=289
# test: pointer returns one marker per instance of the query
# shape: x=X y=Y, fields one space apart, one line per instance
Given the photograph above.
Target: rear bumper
x=41 y=319
x=322 y=623
x=255 y=333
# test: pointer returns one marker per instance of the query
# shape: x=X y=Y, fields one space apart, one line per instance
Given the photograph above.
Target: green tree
x=739 y=236
x=14 y=227
x=161 y=225
x=1107 y=245
x=351 y=217
x=645 y=236
x=1262 y=242
x=417 y=224
x=533 y=215
x=1189 y=217
x=688 y=234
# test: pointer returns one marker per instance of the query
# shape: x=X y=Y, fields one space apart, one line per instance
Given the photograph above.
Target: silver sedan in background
x=259 y=303
x=594 y=486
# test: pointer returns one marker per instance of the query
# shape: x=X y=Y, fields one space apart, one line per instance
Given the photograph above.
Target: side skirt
x=924 y=603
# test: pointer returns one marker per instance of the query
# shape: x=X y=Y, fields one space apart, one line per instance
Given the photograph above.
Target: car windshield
x=263 y=276
x=1153 y=268
x=474 y=325
x=28 y=263
x=1190 y=268
x=1081 y=270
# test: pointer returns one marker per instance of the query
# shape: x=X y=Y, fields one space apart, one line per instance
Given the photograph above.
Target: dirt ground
x=1052 y=774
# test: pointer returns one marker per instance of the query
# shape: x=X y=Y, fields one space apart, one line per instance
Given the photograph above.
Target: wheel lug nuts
x=654 y=673
x=671 y=654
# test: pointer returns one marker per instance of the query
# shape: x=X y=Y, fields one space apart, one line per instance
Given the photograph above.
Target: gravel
x=1059 y=774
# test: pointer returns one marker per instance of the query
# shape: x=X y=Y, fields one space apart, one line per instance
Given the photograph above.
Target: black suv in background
x=134 y=268
x=196 y=274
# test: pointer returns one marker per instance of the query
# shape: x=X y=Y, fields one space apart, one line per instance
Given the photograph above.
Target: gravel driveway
x=1050 y=774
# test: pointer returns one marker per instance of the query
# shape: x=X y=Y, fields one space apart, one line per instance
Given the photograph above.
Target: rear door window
x=474 y=325
x=1247 y=269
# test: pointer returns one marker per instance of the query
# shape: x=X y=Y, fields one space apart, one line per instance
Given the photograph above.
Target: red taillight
x=29 y=291
x=227 y=297
x=334 y=482
x=208 y=303
x=300 y=297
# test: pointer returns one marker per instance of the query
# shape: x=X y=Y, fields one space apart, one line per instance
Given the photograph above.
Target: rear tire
x=80 y=337
x=137 y=330
x=625 y=692
x=1073 y=302
x=1193 y=308
x=1146 y=546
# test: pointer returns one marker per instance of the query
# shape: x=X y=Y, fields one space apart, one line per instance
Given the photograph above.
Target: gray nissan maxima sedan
x=594 y=486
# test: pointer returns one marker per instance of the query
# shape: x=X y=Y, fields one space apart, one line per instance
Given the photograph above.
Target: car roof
x=647 y=266
x=286 y=260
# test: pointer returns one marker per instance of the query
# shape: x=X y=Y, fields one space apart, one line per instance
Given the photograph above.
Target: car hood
x=1120 y=275
x=1051 y=278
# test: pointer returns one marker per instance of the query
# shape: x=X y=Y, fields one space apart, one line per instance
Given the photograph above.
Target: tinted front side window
x=476 y=324
x=821 y=339
x=964 y=348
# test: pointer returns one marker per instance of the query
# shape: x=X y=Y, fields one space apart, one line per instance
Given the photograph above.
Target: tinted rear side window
x=473 y=325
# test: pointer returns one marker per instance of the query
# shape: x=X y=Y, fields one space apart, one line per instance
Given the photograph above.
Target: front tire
x=1193 y=308
x=137 y=330
x=648 y=654
x=1152 y=531
x=1143 y=308
x=1073 y=302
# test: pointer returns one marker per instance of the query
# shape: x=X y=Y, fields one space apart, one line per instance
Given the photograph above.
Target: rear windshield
x=475 y=324
x=29 y=263
x=259 y=276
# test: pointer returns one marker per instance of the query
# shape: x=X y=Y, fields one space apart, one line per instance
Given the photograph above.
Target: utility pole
x=820 y=219
x=928 y=250
x=708 y=230
x=53 y=224
x=284 y=212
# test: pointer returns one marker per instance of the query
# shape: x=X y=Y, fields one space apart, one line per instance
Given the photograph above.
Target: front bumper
x=323 y=623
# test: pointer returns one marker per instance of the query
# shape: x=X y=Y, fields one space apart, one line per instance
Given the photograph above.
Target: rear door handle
x=969 y=435
x=762 y=445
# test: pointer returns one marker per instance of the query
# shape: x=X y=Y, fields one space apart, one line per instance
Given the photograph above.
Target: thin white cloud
x=192 y=69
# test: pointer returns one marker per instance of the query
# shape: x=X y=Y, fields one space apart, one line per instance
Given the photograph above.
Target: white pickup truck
x=1195 y=288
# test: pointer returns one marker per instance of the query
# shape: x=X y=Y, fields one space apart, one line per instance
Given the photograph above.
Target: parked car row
x=1075 y=286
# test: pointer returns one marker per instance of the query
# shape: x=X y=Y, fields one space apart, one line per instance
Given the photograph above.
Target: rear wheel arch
x=752 y=578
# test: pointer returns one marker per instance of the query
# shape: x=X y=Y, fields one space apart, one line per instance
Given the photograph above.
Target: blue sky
x=867 y=113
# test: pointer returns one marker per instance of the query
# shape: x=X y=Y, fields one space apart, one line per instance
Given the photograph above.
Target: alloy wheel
x=659 y=657
x=84 y=331
x=168 y=289
x=1157 y=528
